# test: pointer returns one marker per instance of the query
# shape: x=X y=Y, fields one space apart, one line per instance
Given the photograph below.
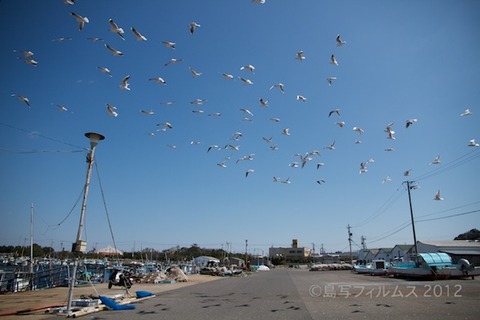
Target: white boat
x=375 y=268
x=435 y=265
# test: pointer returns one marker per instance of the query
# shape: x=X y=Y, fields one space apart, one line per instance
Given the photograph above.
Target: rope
x=106 y=211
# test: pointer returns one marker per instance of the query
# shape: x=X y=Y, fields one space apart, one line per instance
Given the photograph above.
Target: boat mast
x=31 y=239
x=413 y=223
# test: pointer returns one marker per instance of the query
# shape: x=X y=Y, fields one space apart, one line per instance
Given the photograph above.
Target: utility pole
x=80 y=246
x=246 y=254
x=413 y=224
x=350 y=243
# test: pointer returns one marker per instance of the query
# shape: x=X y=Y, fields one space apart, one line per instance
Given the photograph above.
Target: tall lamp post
x=80 y=246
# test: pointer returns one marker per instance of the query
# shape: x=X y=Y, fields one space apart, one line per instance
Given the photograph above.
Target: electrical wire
x=33 y=133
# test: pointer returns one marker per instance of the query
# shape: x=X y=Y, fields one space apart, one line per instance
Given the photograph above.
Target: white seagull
x=227 y=76
x=331 y=146
x=111 y=110
x=173 y=60
x=438 y=196
x=286 y=131
x=387 y=179
x=169 y=44
x=330 y=80
x=81 y=20
x=246 y=81
x=467 y=112
x=263 y=102
x=279 y=85
x=436 y=160
x=22 y=98
x=339 y=40
x=194 y=73
x=125 y=85
x=60 y=107
x=358 y=130
x=301 y=98
x=300 y=55
x=333 y=60
x=473 y=143
x=246 y=111
x=193 y=26
x=116 y=29
x=248 y=67
x=113 y=51
x=410 y=122
x=341 y=124
x=275 y=119
x=138 y=35
x=248 y=172
x=159 y=80
x=105 y=70
x=337 y=111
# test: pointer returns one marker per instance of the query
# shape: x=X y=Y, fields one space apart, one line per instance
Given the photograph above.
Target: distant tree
x=472 y=235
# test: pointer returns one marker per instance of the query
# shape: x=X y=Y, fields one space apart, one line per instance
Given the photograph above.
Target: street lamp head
x=94 y=138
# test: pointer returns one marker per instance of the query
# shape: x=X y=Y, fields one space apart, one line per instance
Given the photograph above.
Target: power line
x=33 y=133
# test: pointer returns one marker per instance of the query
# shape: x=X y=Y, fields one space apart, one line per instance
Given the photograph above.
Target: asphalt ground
x=303 y=294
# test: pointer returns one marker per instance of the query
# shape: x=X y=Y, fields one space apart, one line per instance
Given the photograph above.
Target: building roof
x=404 y=247
x=452 y=243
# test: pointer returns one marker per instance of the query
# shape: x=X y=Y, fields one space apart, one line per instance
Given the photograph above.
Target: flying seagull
x=331 y=146
x=193 y=26
x=60 y=107
x=337 y=111
x=169 y=44
x=301 y=98
x=339 y=40
x=333 y=60
x=194 y=73
x=227 y=76
x=138 y=35
x=279 y=86
x=125 y=85
x=116 y=29
x=246 y=111
x=105 y=70
x=358 y=130
x=436 y=160
x=248 y=67
x=410 y=122
x=438 y=196
x=467 y=112
x=330 y=80
x=159 y=80
x=248 y=172
x=111 y=110
x=246 y=81
x=113 y=51
x=473 y=143
x=81 y=20
x=300 y=55
x=22 y=98
x=173 y=60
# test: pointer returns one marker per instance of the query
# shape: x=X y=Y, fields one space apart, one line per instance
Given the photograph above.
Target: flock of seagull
x=302 y=159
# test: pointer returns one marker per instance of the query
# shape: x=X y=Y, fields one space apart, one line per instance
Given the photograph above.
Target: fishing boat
x=375 y=268
x=435 y=265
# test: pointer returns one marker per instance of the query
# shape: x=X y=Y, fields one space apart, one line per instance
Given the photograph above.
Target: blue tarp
x=115 y=306
x=437 y=259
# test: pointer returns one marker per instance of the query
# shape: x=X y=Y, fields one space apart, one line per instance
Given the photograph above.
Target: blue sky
x=402 y=60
